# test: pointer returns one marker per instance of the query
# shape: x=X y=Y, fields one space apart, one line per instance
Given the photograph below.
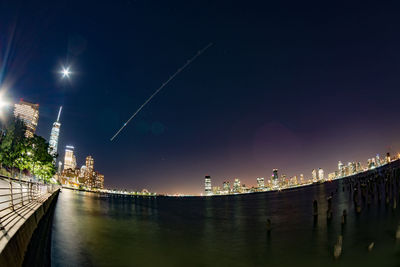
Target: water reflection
x=102 y=230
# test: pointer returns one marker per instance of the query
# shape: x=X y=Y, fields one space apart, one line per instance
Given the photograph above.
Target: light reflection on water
x=90 y=229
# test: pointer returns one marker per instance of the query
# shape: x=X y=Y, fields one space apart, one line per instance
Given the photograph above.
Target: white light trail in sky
x=162 y=86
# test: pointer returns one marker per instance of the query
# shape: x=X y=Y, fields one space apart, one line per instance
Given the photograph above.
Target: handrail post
x=11 y=195
x=28 y=191
x=22 y=193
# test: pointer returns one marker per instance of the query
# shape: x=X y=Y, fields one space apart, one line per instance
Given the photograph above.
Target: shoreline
x=393 y=164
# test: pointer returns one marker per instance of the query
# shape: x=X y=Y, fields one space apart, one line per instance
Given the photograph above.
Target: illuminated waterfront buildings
x=387 y=157
x=69 y=158
x=314 y=176
x=99 y=182
x=88 y=172
x=359 y=167
x=275 y=179
x=55 y=132
x=207 y=186
x=29 y=114
x=331 y=176
x=260 y=183
x=293 y=181
x=92 y=178
x=85 y=177
x=236 y=186
x=377 y=160
x=320 y=175
x=340 y=169
x=226 y=187
x=216 y=190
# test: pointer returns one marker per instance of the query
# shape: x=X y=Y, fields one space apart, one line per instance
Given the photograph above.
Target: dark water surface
x=94 y=230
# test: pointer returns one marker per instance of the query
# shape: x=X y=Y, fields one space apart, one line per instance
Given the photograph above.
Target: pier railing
x=18 y=197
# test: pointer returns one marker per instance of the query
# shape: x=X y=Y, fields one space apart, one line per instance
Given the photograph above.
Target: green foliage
x=12 y=145
x=22 y=153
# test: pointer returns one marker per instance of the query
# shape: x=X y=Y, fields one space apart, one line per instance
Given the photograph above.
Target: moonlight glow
x=65 y=72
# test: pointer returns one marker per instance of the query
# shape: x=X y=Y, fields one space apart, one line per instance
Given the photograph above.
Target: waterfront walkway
x=19 y=200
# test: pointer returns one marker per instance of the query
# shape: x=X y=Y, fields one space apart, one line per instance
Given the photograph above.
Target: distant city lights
x=282 y=182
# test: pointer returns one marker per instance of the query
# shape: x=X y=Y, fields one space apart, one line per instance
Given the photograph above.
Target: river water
x=96 y=230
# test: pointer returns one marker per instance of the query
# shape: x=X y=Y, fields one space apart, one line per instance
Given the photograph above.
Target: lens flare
x=65 y=72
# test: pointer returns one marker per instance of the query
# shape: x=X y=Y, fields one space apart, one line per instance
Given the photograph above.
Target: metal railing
x=18 y=197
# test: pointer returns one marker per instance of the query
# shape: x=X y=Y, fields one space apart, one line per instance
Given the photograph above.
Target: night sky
x=292 y=85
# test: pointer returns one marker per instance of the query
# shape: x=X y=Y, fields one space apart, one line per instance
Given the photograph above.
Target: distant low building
x=99 y=181
x=216 y=190
x=260 y=183
x=226 y=188
x=331 y=176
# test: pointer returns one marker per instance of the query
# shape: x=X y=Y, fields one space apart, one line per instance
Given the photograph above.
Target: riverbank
x=16 y=236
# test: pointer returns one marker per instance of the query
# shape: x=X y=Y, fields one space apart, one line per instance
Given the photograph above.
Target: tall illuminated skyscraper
x=55 y=132
x=387 y=157
x=89 y=172
x=236 y=185
x=89 y=163
x=69 y=158
x=340 y=169
x=275 y=179
x=29 y=114
x=314 y=176
x=207 y=186
x=320 y=175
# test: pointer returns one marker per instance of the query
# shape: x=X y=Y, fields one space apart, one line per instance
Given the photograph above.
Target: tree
x=18 y=151
x=41 y=162
x=13 y=144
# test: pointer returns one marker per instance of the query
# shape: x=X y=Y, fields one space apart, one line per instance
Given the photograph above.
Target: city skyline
x=274 y=91
x=282 y=182
x=72 y=163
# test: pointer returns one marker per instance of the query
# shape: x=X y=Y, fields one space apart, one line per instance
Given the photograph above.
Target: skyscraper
x=260 y=183
x=99 y=181
x=236 y=185
x=226 y=187
x=207 y=186
x=275 y=179
x=387 y=157
x=89 y=172
x=69 y=158
x=340 y=169
x=55 y=132
x=29 y=114
x=89 y=163
x=320 y=175
x=378 y=160
x=314 y=176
